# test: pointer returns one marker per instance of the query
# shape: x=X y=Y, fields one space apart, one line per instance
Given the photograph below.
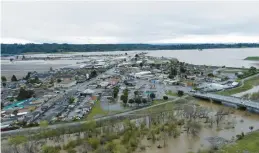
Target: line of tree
x=124 y=96
x=54 y=48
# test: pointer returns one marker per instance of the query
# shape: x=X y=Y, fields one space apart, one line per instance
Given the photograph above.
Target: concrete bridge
x=230 y=101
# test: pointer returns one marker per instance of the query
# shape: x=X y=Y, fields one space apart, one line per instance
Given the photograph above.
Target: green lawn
x=248 y=84
x=252 y=58
x=250 y=143
x=170 y=93
x=97 y=111
x=158 y=101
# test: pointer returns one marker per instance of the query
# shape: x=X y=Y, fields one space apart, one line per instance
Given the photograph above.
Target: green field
x=252 y=58
x=170 y=93
x=97 y=111
x=248 y=84
x=250 y=143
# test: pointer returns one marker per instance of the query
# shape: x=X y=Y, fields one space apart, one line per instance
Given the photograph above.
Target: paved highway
x=229 y=99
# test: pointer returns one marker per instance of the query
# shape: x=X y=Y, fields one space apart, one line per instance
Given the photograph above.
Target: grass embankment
x=170 y=93
x=97 y=110
x=250 y=143
x=252 y=58
x=248 y=84
x=158 y=101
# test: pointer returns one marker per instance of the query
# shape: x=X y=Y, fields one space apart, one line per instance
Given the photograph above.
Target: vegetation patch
x=252 y=58
x=248 y=84
x=97 y=111
x=170 y=93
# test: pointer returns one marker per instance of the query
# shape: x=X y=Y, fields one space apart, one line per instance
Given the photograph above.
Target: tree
x=4 y=84
x=173 y=71
x=180 y=93
x=165 y=97
x=138 y=101
x=251 y=128
x=126 y=53
x=131 y=101
x=59 y=80
x=24 y=94
x=141 y=64
x=115 y=92
x=210 y=75
x=252 y=69
x=3 y=78
x=23 y=57
x=14 y=78
x=2 y=105
x=71 y=100
x=144 y=101
x=27 y=76
x=136 y=56
x=124 y=99
x=182 y=69
x=152 y=96
x=15 y=112
x=50 y=69
x=93 y=74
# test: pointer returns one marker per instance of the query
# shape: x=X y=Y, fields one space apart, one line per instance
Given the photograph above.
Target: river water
x=217 y=57
x=186 y=143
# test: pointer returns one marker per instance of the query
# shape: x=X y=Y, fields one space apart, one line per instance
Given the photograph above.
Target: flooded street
x=241 y=120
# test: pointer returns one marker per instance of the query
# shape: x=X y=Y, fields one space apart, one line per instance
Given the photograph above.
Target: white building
x=143 y=73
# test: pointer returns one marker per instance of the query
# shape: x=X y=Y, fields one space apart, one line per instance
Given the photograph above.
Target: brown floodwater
x=186 y=143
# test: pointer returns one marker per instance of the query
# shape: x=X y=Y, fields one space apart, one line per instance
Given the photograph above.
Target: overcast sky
x=129 y=22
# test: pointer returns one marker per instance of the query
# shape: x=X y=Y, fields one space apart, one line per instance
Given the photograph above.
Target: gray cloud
x=124 y=22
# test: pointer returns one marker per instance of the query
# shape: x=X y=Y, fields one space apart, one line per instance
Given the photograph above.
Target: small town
x=105 y=85
x=129 y=76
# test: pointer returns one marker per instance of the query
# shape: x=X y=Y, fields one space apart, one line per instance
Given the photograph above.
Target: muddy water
x=185 y=143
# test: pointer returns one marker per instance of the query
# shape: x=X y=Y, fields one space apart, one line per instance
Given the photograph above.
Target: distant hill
x=55 y=48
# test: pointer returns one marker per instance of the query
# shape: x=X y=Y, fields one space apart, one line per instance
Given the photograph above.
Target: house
x=143 y=73
x=87 y=92
x=104 y=84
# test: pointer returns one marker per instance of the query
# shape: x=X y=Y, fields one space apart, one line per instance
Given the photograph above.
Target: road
x=26 y=130
x=229 y=99
x=245 y=79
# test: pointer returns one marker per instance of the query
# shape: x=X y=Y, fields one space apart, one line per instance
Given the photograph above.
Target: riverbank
x=248 y=144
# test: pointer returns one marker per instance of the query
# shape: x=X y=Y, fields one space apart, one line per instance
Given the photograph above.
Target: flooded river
x=242 y=120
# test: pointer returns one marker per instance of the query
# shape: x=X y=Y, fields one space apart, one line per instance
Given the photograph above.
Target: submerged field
x=174 y=127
